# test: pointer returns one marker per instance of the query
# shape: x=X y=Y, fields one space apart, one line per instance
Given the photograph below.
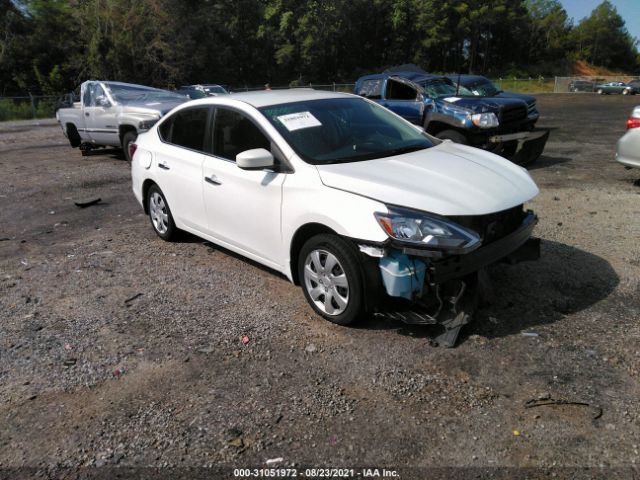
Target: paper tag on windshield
x=297 y=121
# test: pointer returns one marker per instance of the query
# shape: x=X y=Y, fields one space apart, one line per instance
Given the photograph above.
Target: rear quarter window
x=371 y=88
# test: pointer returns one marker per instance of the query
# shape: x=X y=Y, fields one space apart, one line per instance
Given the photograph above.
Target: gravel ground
x=118 y=349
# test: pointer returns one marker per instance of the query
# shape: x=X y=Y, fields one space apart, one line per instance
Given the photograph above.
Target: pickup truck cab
x=501 y=125
x=113 y=114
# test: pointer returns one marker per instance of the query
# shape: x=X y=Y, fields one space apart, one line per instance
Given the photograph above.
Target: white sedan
x=628 y=151
x=342 y=196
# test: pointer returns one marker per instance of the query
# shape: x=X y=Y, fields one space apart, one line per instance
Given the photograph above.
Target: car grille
x=531 y=108
x=513 y=114
x=493 y=226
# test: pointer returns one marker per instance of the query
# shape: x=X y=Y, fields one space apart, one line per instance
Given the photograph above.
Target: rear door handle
x=213 y=180
x=86 y=114
x=163 y=166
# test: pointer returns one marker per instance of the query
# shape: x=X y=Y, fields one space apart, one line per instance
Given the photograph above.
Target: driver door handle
x=213 y=180
x=86 y=114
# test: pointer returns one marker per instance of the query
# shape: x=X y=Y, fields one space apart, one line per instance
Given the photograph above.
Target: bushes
x=24 y=108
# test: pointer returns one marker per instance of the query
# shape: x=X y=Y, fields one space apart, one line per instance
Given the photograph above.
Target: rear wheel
x=452 y=135
x=127 y=139
x=331 y=278
x=160 y=214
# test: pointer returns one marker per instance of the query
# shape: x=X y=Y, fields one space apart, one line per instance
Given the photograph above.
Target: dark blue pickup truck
x=502 y=125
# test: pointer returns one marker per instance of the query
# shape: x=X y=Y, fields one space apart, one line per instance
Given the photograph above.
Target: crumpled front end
x=421 y=285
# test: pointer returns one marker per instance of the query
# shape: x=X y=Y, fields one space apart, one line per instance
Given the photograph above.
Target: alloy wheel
x=326 y=282
x=158 y=212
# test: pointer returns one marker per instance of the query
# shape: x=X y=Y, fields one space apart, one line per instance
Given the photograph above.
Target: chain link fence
x=31 y=106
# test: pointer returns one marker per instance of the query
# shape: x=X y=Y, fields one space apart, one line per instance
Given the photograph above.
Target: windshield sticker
x=297 y=121
x=452 y=99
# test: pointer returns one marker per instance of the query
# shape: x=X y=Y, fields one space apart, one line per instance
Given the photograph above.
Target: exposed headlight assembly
x=428 y=231
x=485 y=120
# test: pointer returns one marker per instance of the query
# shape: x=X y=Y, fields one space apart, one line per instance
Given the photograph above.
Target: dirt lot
x=119 y=349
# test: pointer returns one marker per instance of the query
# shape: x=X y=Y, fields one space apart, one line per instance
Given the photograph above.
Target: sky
x=629 y=10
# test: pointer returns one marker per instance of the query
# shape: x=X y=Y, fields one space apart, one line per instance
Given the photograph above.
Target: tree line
x=50 y=46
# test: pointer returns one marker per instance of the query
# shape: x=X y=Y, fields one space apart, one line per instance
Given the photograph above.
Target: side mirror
x=255 y=159
x=102 y=101
x=420 y=97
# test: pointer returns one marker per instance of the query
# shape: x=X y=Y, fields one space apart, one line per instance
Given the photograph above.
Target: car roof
x=263 y=98
x=415 y=77
x=123 y=84
x=466 y=77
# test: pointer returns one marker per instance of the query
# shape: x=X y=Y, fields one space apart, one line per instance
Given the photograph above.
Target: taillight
x=633 y=122
x=132 y=149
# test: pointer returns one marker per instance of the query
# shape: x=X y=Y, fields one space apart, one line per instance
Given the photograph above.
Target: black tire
x=127 y=139
x=73 y=135
x=509 y=149
x=166 y=230
x=452 y=135
x=347 y=262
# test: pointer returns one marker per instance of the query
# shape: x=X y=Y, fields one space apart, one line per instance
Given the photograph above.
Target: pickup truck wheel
x=127 y=139
x=74 y=137
x=452 y=135
x=331 y=279
x=160 y=214
x=509 y=149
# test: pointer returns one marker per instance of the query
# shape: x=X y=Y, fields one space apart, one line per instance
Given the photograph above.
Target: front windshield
x=122 y=93
x=214 y=89
x=342 y=130
x=442 y=88
x=484 y=88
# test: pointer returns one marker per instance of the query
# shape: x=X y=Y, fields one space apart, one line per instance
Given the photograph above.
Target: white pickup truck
x=113 y=113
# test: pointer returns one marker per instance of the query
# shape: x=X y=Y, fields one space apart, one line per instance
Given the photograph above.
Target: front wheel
x=127 y=139
x=160 y=214
x=331 y=279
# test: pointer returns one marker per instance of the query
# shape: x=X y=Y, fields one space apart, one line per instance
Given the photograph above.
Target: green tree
x=602 y=39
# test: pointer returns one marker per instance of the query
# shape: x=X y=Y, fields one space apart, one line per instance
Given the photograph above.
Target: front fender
x=141 y=121
x=345 y=213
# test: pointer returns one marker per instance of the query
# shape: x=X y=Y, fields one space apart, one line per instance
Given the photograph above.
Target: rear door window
x=186 y=128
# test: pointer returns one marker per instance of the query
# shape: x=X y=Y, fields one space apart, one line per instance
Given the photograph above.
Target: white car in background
x=362 y=209
x=628 y=151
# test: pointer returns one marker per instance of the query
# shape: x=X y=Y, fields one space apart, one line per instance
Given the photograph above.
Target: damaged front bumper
x=513 y=248
x=425 y=287
x=530 y=145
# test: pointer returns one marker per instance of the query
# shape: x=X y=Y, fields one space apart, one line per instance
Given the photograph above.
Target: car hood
x=482 y=104
x=519 y=96
x=447 y=179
